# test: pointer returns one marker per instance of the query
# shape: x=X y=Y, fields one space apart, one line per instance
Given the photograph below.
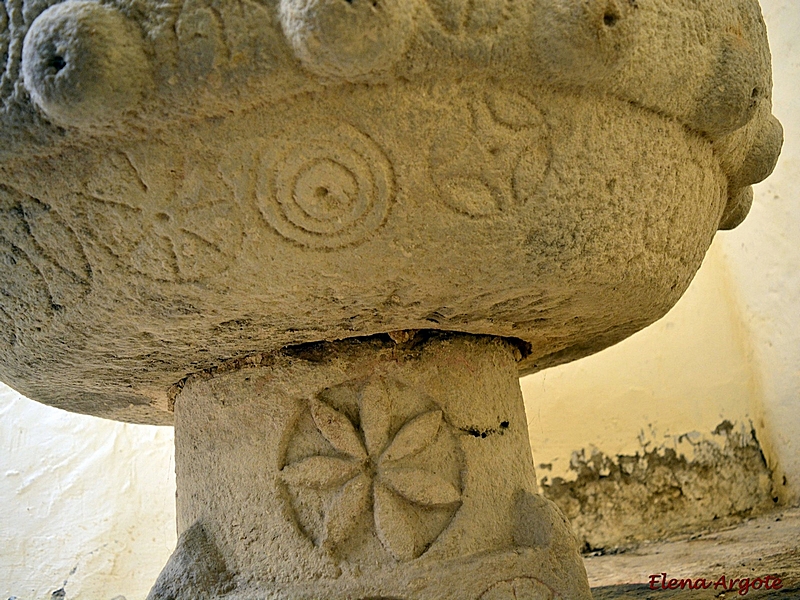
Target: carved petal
x=376 y=411
x=470 y=195
x=521 y=587
x=320 y=472
x=397 y=526
x=414 y=436
x=420 y=487
x=513 y=110
x=337 y=429
x=347 y=507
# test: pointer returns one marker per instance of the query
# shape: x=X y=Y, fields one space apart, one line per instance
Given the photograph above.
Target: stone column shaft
x=364 y=469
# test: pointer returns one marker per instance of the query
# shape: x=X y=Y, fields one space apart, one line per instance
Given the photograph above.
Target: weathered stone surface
x=229 y=178
x=195 y=571
x=366 y=469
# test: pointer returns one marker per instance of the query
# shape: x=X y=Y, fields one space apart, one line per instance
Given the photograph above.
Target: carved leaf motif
x=376 y=412
x=414 y=436
x=513 y=110
x=57 y=240
x=337 y=429
x=42 y=264
x=320 y=472
x=347 y=507
x=420 y=487
x=410 y=507
x=23 y=292
x=470 y=196
x=397 y=527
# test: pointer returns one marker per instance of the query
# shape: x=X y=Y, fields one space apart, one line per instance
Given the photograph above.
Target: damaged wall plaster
x=658 y=396
x=659 y=492
x=764 y=255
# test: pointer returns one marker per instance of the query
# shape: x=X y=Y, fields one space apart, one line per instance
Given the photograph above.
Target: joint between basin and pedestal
x=406 y=339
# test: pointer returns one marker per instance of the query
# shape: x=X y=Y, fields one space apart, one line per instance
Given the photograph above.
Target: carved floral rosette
x=373 y=466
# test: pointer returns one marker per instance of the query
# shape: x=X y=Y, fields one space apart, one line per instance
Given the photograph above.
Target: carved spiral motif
x=329 y=190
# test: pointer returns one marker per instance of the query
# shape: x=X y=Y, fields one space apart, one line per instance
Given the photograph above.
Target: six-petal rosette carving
x=373 y=463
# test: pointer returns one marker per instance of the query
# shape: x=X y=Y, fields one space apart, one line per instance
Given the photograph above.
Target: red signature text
x=723 y=583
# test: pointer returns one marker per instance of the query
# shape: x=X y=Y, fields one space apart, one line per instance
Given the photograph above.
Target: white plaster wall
x=763 y=255
x=88 y=505
x=683 y=375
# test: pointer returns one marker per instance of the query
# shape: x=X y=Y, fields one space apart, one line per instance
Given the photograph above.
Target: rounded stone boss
x=291 y=222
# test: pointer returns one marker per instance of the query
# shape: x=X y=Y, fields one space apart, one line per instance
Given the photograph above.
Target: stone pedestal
x=184 y=184
x=365 y=469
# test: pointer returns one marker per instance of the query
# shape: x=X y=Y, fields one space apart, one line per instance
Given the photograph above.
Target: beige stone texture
x=235 y=177
x=198 y=199
x=365 y=469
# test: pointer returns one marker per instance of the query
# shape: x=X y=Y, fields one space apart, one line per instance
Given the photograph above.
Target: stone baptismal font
x=326 y=237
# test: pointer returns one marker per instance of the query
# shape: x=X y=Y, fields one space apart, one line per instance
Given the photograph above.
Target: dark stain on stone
x=484 y=433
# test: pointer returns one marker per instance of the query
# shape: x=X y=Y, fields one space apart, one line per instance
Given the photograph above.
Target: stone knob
x=84 y=63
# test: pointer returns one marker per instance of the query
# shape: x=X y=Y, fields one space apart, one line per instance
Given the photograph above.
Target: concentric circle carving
x=327 y=189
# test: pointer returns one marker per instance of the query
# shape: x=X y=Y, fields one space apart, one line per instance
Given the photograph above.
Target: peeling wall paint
x=730 y=350
x=616 y=502
x=633 y=442
x=763 y=255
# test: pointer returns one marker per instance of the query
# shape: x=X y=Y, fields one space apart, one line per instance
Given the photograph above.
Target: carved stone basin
x=188 y=189
x=529 y=170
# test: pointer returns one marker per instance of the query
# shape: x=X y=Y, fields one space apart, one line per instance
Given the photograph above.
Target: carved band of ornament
x=330 y=188
x=43 y=268
x=367 y=472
